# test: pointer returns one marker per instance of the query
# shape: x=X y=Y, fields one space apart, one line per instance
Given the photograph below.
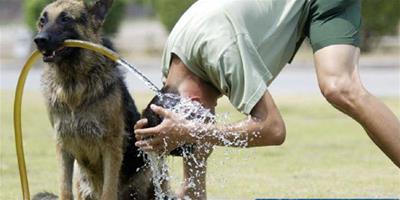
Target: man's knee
x=343 y=93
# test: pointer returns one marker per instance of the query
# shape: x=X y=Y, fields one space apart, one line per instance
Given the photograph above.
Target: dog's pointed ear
x=99 y=10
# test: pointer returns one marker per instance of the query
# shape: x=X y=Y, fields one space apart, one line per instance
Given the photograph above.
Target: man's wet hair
x=153 y=119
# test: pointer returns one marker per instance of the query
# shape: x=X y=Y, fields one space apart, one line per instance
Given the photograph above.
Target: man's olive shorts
x=333 y=22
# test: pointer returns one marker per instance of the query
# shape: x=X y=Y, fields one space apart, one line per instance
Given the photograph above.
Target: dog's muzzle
x=47 y=47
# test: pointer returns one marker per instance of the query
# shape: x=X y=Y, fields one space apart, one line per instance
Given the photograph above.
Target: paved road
x=294 y=79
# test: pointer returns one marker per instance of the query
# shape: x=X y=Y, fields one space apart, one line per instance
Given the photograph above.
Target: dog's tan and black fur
x=89 y=107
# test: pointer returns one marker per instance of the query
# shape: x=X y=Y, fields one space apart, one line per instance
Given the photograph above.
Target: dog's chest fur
x=84 y=106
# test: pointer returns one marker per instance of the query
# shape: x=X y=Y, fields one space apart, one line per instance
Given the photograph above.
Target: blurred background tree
x=168 y=11
x=379 y=18
x=32 y=9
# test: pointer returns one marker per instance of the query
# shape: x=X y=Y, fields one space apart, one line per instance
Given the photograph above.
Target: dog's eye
x=66 y=19
x=42 y=22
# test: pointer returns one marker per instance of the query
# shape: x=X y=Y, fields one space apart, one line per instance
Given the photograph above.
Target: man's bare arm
x=264 y=126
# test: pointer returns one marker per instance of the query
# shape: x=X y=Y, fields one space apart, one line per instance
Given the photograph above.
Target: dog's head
x=69 y=19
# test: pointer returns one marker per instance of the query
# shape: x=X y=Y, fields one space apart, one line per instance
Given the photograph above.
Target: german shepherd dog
x=89 y=107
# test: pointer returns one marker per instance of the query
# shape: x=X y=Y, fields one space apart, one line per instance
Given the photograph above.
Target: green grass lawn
x=326 y=154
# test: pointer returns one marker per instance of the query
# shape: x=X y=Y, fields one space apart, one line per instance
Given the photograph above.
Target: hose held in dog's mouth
x=94 y=47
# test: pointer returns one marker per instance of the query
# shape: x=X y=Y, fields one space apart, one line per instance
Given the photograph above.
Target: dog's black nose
x=41 y=39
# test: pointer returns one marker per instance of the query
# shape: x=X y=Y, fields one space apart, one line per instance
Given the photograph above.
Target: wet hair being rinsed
x=153 y=119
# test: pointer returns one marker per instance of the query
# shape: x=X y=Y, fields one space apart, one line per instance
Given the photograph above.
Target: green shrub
x=379 y=18
x=32 y=9
x=169 y=11
x=114 y=17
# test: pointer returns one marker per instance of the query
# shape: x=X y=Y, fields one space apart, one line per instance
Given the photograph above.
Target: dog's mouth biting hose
x=20 y=88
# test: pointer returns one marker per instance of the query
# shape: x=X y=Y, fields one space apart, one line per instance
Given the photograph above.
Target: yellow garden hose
x=18 y=101
x=17 y=124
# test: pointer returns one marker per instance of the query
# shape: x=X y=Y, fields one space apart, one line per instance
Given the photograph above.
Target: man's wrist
x=190 y=133
x=196 y=132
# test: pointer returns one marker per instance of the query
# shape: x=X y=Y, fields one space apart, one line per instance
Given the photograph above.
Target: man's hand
x=167 y=136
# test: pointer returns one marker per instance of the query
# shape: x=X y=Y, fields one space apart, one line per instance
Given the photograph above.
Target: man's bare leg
x=339 y=81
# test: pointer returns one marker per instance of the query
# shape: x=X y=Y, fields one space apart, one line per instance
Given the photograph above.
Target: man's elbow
x=278 y=133
x=275 y=133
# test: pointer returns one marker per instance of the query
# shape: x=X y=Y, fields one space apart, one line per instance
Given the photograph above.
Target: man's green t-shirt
x=238 y=46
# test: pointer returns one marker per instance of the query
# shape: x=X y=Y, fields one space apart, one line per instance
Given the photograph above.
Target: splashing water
x=188 y=109
x=184 y=108
x=160 y=175
x=195 y=113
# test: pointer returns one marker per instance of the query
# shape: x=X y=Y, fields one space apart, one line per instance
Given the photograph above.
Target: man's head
x=168 y=99
x=69 y=19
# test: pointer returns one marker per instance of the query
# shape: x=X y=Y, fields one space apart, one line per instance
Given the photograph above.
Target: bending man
x=237 y=48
